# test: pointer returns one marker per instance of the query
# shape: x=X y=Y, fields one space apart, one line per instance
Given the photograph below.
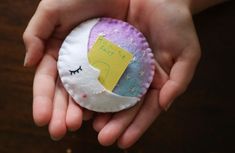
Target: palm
x=172 y=38
x=176 y=50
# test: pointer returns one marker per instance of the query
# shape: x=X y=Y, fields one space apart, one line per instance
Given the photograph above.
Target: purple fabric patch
x=139 y=74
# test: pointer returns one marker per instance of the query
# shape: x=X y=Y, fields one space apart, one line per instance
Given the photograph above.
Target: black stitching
x=73 y=72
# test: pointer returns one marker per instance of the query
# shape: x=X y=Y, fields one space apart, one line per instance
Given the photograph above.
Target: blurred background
x=202 y=120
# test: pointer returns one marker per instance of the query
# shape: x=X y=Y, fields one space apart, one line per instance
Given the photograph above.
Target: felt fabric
x=80 y=79
x=139 y=74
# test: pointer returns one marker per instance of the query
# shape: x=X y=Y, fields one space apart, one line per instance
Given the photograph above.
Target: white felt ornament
x=80 y=79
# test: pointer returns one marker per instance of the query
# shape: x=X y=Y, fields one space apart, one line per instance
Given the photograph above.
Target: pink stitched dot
x=84 y=95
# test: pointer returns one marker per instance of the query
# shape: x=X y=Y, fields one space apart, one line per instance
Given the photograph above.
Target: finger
x=74 y=116
x=39 y=29
x=87 y=114
x=145 y=117
x=159 y=78
x=43 y=90
x=117 y=125
x=165 y=60
x=101 y=120
x=57 y=126
x=180 y=76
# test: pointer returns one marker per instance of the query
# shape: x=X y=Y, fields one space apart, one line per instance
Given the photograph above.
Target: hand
x=170 y=31
x=169 y=28
x=43 y=37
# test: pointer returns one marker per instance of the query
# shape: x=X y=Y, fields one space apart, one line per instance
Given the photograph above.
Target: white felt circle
x=80 y=79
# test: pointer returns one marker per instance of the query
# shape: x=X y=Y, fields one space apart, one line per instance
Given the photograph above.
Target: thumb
x=39 y=29
x=180 y=76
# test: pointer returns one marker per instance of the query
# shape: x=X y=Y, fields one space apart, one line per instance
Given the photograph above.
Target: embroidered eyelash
x=75 y=71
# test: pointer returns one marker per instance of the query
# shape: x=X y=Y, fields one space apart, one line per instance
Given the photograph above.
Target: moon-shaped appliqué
x=84 y=87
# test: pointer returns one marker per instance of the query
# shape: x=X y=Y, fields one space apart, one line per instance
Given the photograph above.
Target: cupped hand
x=169 y=29
x=52 y=21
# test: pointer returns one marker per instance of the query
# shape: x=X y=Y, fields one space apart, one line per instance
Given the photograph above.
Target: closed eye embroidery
x=75 y=71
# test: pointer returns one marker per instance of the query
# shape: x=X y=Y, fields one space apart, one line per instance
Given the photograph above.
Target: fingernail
x=55 y=139
x=26 y=60
x=168 y=106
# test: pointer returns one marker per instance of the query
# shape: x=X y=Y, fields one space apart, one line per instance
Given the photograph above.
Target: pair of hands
x=170 y=31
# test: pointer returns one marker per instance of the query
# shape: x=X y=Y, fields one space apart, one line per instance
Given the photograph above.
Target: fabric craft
x=80 y=78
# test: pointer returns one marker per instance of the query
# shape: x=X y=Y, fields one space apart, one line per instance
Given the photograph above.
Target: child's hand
x=167 y=25
x=46 y=31
x=169 y=28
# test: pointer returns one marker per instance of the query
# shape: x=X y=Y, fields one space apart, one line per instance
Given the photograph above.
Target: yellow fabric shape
x=110 y=59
